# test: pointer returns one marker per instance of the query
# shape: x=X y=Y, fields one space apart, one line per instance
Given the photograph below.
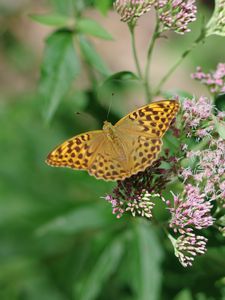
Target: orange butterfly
x=119 y=151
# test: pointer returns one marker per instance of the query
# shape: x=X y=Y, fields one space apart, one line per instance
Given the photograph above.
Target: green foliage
x=148 y=257
x=104 y=267
x=88 y=26
x=59 y=68
x=216 y=24
x=220 y=102
x=220 y=126
x=51 y=19
x=59 y=239
x=92 y=57
x=103 y=5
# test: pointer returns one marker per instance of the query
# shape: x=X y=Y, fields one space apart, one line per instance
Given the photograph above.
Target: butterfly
x=121 y=150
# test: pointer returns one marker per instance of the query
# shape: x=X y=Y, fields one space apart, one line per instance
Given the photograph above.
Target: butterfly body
x=121 y=150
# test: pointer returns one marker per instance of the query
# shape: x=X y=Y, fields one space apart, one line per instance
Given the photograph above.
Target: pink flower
x=209 y=169
x=188 y=246
x=131 y=10
x=197 y=115
x=176 y=15
x=137 y=193
x=214 y=80
x=186 y=173
x=190 y=210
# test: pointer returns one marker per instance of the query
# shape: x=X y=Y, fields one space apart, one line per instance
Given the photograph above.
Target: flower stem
x=155 y=35
x=134 y=50
x=201 y=38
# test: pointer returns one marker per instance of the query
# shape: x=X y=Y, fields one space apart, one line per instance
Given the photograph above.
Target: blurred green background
x=58 y=237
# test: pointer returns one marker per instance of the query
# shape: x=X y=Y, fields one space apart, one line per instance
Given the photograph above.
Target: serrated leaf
x=59 y=69
x=92 y=57
x=105 y=266
x=92 y=27
x=216 y=24
x=149 y=276
x=51 y=19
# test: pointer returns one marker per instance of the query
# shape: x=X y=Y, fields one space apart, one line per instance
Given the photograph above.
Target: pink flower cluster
x=173 y=15
x=138 y=205
x=137 y=194
x=197 y=116
x=188 y=246
x=176 y=15
x=214 y=80
x=190 y=211
x=131 y=10
x=209 y=170
x=203 y=181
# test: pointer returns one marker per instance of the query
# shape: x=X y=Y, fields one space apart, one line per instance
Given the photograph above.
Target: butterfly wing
x=111 y=162
x=126 y=156
x=141 y=131
x=90 y=151
x=141 y=151
x=150 y=120
x=77 y=152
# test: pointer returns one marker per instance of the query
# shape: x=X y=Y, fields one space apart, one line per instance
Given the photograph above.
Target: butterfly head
x=109 y=130
x=107 y=126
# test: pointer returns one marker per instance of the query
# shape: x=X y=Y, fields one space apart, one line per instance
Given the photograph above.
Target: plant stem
x=178 y=62
x=134 y=50
x=155 y=35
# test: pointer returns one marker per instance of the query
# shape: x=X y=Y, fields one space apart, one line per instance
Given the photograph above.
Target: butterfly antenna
x=110 y=105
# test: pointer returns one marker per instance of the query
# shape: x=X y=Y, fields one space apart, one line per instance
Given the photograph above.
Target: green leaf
x=92 y=57
x=103 y=5
x=220 y=126
x=121 y=77
x=88 y=26
x=66 y=7
x=104 y=267
x=51 y=19
x=220 y=102
x=184 y=295
x=216 y=24
x=59 y=69
x=84 y=218
x=149 y=275
x=117 y=81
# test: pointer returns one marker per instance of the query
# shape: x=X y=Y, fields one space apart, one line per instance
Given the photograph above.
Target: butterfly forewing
x=77 y=152
x=150 y=120
x=93 y=152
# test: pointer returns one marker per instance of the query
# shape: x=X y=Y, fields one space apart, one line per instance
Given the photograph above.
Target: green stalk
x=134 y=50
x=147 y=85
x=178 y=62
